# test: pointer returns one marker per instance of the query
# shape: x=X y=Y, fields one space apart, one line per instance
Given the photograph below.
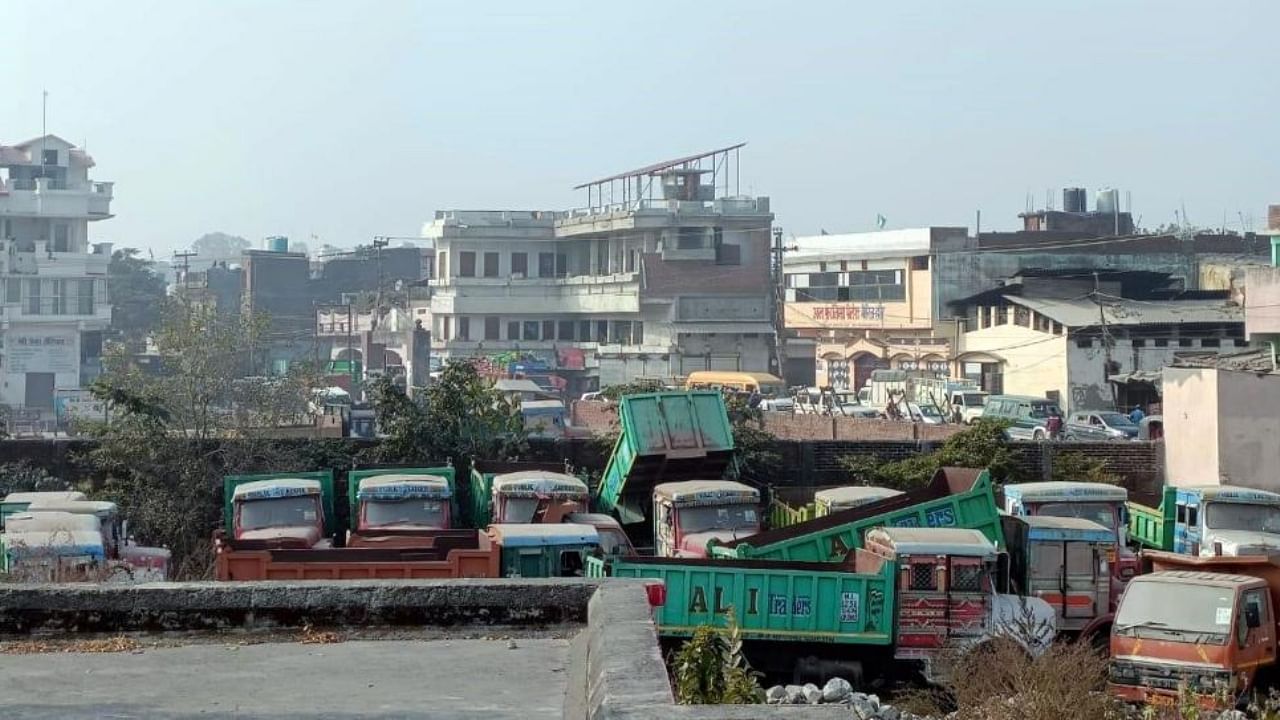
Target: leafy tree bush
x=981 y=445
x=710 y=669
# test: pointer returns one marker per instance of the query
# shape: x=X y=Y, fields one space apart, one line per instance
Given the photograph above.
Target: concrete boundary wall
x=216 y=605
x=626 y=675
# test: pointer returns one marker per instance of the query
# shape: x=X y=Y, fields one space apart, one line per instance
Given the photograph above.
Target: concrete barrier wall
x=216 y=605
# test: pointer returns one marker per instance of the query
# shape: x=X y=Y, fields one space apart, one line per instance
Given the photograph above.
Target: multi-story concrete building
x=663 y=273
x=55 y=282
x=857 y=302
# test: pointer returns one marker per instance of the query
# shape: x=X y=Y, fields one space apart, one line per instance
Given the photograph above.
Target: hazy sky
x=352 y=119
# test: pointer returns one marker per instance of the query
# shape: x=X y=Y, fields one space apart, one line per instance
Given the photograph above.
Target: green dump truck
x=665 y=437
x=954 y=498
x=400 y=506
x=905 y=597
x=512 y=492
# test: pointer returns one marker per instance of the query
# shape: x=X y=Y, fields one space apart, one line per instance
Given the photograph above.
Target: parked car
x=1029 y=415
x=1100 y=425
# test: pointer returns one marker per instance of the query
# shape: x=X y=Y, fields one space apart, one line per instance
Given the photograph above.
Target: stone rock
x=835 y=690
x=812 y=694
x=775 y=695
x=795 y=695
x=863 y=709
x=889 y=712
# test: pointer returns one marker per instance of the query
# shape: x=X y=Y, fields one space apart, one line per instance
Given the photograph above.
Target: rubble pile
x=837 y=691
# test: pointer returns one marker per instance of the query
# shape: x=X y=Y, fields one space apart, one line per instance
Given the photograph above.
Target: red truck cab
x=690 y=514
x=400 y=510
x=279 y=513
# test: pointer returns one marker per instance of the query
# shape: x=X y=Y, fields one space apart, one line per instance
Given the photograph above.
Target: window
x=464 y=328
x=690 y=238
x=520 y=264
x=13 y=291
x=922 y=577
x=966 y=578
x=546 y=265
x=84 y=304
x=513 y=330
x=728 y=254
x=602 y=331
x=562 y=265
x=631 y=261
x=548 y=329
x=33 y=297
x=1139 y=343
x=920 y=262
x=491 y=328
x=49 y=157
x=466 y=264
x=446 y=327
x=1210 y=343
x=1161 y=343
x=1186 y=342
x=566 y=330
x=61 y=238
x=602 y=257
x=442 y=264
x=1240 y=343
x=584 y=331
x=530 y=330
x=491 y=264
x=637 y=333
x=1084 y=342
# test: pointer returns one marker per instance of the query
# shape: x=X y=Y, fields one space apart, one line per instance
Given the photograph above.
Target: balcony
x=655 y=212
x=56 y=198
x=590 y=294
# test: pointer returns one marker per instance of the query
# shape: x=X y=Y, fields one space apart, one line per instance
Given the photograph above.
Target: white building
x=55 y=304
x=663 y=273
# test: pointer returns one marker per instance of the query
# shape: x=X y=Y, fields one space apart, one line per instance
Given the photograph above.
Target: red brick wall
x=599 y=417
x=786 y=426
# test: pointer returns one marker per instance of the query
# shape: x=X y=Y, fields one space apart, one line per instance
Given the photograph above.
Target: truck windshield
x=1240 y=516
x=279 y=512
x=427 y=513
x=1182 y=612
x=725 y=517
x=521 y=510
x=1101 y=513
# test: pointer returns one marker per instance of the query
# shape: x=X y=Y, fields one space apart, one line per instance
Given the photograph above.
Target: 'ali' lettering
x=753 y=601
x=720 y=606
x=698 y=604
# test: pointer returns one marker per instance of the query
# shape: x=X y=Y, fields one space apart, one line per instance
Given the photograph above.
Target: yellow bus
x=769 y=386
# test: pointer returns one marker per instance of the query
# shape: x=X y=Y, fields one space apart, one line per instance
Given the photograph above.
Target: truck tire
x=1038 y=436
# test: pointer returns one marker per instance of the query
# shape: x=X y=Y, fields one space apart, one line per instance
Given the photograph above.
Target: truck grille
x=1163 y=677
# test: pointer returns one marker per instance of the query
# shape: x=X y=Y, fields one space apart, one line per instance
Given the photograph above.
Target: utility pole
x=1106 y=338
x=777 y=296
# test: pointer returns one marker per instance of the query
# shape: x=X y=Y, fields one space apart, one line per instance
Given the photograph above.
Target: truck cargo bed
x=955 y=497
x=453 y=556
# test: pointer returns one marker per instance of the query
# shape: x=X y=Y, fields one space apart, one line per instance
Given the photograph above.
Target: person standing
x=1136 y=414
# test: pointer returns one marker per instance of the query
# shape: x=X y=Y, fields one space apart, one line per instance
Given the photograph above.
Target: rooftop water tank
x=278 y=244
x=1107 y=201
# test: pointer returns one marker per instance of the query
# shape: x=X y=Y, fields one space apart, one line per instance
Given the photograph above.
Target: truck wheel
x=1038 y=436
x=1100 y=641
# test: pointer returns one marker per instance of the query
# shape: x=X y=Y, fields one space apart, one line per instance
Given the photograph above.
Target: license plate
x=1160 y=700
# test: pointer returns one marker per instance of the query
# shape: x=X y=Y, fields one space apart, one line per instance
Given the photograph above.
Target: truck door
x=1253 y=633
x=1065 y=575
x=966 y=596
x=1186 y=530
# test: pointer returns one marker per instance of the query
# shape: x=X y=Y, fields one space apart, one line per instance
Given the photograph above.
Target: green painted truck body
x=665 y=437
x=447 y=472
x=1154 y=527
x=783 y=601
x=954 y=498
x=327 y=499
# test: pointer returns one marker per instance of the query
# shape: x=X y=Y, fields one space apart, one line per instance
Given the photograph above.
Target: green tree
x=175 y=432
x=981 y=445
x=137 y=295
x=219 y=245
x=460 y=416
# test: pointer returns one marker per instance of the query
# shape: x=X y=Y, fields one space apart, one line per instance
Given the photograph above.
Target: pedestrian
x=1054 y=426
x=1136 y=414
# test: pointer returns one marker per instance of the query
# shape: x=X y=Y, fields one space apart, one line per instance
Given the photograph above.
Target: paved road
x=359 y=678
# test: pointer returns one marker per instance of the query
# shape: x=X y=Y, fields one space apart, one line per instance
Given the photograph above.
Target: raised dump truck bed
x=785 y=601
x=453 y=554
x=1153 y=527
x=666 y=437
x=955 y=497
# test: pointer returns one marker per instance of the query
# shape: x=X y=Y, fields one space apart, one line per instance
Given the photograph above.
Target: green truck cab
x=688 y=515
x=954 y=498
x=904 y=598
x=550 y=550
x=1209 y=520
x=279 y=510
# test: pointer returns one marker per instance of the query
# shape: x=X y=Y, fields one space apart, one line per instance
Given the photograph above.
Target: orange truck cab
x=1205 y=622
x=690 y=514
x=278 y=513
x=400 y=510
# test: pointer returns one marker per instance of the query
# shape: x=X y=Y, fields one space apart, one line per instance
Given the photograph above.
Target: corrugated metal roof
x=881 y=244
x=1083 y=312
